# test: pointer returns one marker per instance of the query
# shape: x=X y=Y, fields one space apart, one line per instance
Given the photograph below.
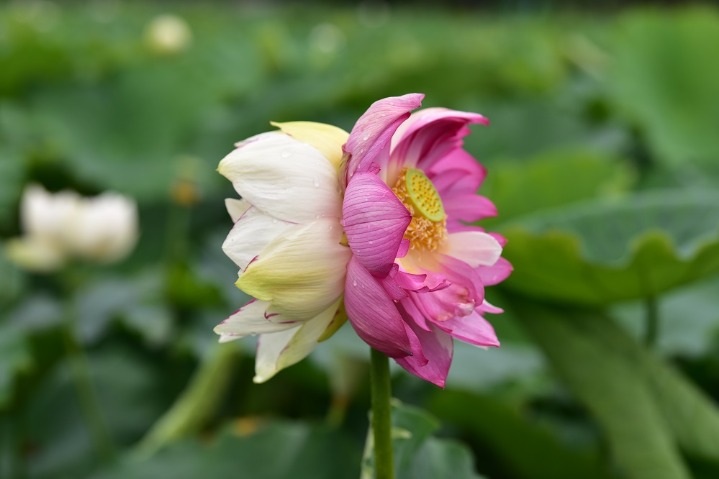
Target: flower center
x=428 y=227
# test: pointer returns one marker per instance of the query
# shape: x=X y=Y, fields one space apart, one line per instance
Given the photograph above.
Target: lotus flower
x=64 y=225
x=375 y=223
x=418 y=268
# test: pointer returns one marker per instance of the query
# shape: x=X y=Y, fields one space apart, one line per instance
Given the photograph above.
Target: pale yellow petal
x=327 y=139
x=302 y=272
x=35 y=254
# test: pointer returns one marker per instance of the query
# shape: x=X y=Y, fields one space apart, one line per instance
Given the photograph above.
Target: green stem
x=381 y=415
x=651 y=333
x=89 y=403
x=196 y=404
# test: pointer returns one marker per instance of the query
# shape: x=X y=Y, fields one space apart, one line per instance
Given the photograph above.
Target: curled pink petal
x=428 y=136
x=472 y=329
x=487 y=307
x=500 y=239
x=374 y=221
x=498 y=272
x=437 y=348
x=369 y=140
x=466 y=173
x=468 y=207
x=373 y=314
x=461 y=274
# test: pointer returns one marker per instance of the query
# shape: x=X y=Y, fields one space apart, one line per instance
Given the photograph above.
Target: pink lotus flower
x=409 y=269
x=418 y=270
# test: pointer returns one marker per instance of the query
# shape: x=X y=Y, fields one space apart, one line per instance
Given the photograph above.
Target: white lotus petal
x=236 y=208
x=277 y=351
x=283 y=177
x=250 y=320
x=104 y=228
x=302 y=272
x=46 y=215
x=473 y=247
x=251 y=234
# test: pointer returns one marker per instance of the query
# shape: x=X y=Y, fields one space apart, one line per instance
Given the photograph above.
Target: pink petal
x=428 y=136
x=369 y=141
x=374 y=221
x=437 y=349
x=373 y=314
x=403 y=248
x=500 y=239
x=487 y=307
x=468 y=207
x=472 y=329
x=460 y=164
x=398 y=283
x=412 y=314
x=496 y=273
x=461 y=274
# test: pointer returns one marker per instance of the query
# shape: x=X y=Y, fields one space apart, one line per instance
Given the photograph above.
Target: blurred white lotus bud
x=35 y=254
x=104 y=228
x=65 y=225
x=168 y=34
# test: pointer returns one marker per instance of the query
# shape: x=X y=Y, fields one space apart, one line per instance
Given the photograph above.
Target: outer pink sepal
x=374 y=221
x=369 y=141
x=373 y=314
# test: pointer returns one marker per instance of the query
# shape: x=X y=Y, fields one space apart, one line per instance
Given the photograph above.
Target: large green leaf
x=417 y=455
x=689 y=414
x=551 y=180
x=606 y=251
x=275 y=451
x=665 y=78
x=130 y=393
x=640 y=441
x=688 y=319
x=521 y=445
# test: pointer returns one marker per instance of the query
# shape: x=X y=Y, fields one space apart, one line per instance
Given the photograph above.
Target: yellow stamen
x=428 y=228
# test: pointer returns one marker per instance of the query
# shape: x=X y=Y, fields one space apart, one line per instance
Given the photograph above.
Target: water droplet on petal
x=354 y=283
x=285 y=154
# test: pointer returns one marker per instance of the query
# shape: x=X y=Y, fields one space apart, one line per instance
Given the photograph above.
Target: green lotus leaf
x=553 y=179
x=665 y=79
x=605 y=251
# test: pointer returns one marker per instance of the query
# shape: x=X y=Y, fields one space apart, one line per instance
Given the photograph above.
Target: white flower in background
x=168 y=34
x=64 y=225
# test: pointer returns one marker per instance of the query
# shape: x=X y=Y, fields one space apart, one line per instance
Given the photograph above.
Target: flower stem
x=381 y=415
x=86 y=393
x=197 y=403
x=651 y=321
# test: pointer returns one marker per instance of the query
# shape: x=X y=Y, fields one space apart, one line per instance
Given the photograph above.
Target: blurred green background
x=603 y=159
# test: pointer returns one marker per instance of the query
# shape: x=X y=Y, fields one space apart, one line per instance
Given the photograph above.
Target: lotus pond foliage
x=601 y=159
